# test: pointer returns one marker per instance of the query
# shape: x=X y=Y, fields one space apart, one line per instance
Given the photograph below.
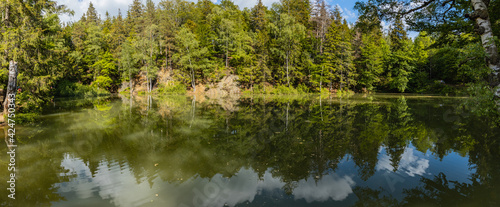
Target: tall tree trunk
x=11 y=87
x=227 y=54
x=321 y=81
x=193 y=82
x=130 y=82
x=287 y=77
x=483 y=27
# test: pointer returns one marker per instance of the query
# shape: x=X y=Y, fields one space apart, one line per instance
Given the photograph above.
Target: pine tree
x=370 y=60
x=400 y=64
x=300 y=10
x=91 y=15
x=321 y=21
x=259 y=24
x=338 y=55
x=168 y=27
x=135 y=18
x=93 y=46
x=118 y=34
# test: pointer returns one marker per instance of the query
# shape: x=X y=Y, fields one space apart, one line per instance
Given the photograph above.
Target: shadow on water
x=372 y=150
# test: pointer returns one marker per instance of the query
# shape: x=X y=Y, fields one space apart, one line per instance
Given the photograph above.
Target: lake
x=364 y=150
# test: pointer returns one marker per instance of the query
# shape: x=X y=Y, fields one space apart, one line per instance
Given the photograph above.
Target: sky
x=112 y=6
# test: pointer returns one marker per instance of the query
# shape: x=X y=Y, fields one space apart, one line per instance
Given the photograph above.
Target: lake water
x=372 y=150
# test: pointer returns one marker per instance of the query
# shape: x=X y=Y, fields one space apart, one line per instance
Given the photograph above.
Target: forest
x=294 y=46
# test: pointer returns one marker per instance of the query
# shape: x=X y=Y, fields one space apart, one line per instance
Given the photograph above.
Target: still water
x=375 y=150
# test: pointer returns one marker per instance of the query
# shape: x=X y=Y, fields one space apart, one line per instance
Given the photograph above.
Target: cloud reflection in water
x=119 y=185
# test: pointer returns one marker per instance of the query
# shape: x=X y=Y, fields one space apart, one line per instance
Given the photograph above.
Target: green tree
x=107 y=73
x=190 y=55
x=30 y=37
x=338 y=53
x=128 y=62
x=259 y=24
x=372 y=49
x=400 y=63
x=289 y=34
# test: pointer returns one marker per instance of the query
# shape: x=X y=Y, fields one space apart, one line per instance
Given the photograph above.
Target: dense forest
x=294 y=46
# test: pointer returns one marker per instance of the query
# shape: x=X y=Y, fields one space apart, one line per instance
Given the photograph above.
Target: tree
x=135 y=18
x=168 y=27
x=128 y=62
x=400 y=63
x=107 y=74
x=289 y=35
x=118 y=34
x=338 y=54
x=190 y=55
x=93 y=48
x=445 y=17
x=92 y=16
x=29 y=36
x=370 y=64
x=147 y=45
x=226 y=32
x=259 y=23
x=300 y=10
x=321 y=21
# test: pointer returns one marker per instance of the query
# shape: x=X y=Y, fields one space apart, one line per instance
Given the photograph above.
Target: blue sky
x=112 y=6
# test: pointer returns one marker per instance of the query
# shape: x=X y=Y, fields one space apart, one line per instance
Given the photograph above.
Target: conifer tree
x=400 y=64
x=338 y=54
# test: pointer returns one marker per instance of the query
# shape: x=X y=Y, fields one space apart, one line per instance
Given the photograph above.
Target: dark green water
x=379 y=150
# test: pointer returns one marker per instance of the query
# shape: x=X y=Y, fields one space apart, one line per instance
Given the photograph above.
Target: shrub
x=24 y=118
x=175 y=88
x=66 y=88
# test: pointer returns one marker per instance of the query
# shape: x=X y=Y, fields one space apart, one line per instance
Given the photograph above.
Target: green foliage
x=27 y=118
x=338 y=56
x=191 y=55
x=439 y=87
x=173 y=88
x=66 y=88
x=482 y=101
x=302 y=45
x=284 y=90
x=107 y=73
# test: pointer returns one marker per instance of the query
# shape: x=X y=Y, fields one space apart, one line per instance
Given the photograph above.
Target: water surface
x=375 y=150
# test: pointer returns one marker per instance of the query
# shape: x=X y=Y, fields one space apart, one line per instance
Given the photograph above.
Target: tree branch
x=420 y=7
x=466 y=60
x=451 y=6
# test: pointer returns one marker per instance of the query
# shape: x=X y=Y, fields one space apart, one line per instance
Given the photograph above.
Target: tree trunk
x=287 y=77
x=227 y=54
x=483 y=27
x=130 y=84
x=321 y=82
x=11 y=87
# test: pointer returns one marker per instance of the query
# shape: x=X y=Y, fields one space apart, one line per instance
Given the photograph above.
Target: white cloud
x=409 y=164
x=251 y=3
x=335 y=187
x=112 y=6
x=81 y=6
x=347 y=14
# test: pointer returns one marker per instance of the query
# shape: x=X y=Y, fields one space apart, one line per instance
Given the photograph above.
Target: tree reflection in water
x=301 y=145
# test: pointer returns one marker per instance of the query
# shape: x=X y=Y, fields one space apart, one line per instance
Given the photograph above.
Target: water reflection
x=118 y=185
x=409 y=164
x=258 y=151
